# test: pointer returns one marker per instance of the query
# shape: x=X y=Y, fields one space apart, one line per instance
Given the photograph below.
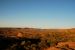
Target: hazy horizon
x=37 y=13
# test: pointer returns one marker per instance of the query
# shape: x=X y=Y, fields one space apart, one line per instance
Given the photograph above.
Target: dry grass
x=51 y=39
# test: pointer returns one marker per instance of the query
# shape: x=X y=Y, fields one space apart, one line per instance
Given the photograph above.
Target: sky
x=37 y=13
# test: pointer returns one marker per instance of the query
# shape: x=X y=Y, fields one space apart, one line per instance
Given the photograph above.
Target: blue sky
x=37 y=13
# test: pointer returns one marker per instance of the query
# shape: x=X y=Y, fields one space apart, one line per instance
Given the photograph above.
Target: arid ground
x=37 y=39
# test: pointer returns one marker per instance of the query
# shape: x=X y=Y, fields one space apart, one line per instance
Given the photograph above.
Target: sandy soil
x=70 y=44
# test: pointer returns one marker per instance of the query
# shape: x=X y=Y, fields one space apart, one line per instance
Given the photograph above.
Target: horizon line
x=40 y=27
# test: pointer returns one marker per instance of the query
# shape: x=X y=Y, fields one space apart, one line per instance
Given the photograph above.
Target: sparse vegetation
x=35 y=39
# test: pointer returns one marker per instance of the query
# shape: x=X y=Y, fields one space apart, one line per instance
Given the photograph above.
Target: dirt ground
x=71 y=45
